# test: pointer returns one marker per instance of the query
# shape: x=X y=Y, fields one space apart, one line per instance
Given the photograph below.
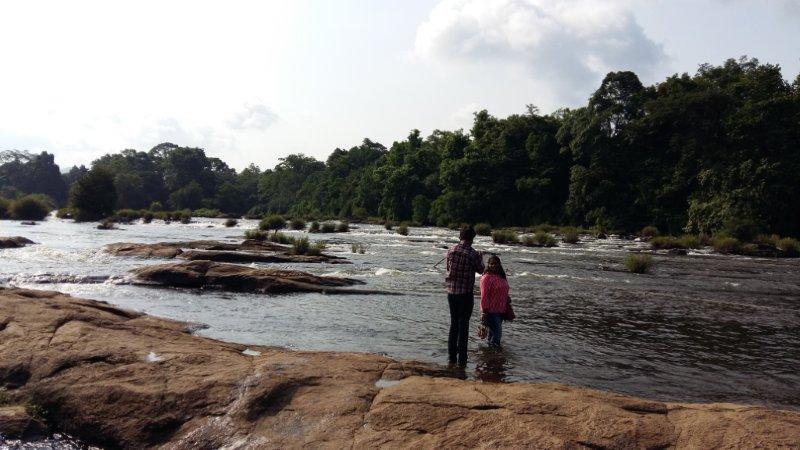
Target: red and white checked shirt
x=462 y=263
x=494 y=293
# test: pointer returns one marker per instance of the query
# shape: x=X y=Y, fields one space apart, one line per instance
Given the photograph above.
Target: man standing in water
x=462 y=264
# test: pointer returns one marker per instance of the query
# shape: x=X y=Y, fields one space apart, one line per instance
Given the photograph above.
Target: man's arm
x=479 y=268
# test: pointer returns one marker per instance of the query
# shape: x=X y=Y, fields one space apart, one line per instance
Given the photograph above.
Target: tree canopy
x=697 y=153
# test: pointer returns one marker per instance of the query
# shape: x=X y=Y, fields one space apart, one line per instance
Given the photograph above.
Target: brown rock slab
x=246 y=252
x=15 y=423
x=234 y=277
x=122 y=379
x=14 y=242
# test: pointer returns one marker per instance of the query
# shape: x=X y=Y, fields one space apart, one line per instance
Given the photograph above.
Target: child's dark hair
x=500 y=270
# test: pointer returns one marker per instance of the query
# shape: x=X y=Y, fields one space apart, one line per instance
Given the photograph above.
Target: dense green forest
x=695 y=153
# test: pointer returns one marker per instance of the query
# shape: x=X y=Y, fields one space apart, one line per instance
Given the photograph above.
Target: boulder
x=233 y=277
x=14 y=242
x=245 y=252
x=122 y=379
x=16 y=422
x=265 y=257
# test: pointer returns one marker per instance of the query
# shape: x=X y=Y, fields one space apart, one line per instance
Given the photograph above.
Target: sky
x=254 y=81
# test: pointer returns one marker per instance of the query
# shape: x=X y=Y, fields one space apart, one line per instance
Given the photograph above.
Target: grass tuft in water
x=638 y=263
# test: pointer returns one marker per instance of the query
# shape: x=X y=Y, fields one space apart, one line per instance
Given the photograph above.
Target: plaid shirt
x=462 y=263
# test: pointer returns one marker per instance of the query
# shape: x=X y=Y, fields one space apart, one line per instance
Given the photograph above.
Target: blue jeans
x=494 y=321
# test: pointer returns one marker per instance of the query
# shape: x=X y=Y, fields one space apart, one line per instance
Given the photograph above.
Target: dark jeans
x=494 y=321
x=460 y=311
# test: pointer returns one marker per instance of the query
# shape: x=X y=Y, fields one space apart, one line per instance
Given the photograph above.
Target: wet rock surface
x=237 y=278
x=14 y=242
x=118 y=378
x=245 y=252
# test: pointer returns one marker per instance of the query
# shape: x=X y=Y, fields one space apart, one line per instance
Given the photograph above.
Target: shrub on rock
x=638 y=263
x=29 y=207
x=273 y=222
x=483 y=229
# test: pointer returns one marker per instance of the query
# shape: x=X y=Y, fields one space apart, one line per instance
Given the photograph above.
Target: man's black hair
x=467 y=233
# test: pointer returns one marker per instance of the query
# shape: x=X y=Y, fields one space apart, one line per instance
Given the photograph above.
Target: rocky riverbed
x=699 y=328
x=119 y=378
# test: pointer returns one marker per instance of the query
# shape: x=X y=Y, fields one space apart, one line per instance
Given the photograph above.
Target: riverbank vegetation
x=705 y=154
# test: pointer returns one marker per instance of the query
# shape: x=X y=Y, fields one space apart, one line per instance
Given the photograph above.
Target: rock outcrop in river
x=14 y=242
x=238 y=278
x=245 y=252
x=118 y=378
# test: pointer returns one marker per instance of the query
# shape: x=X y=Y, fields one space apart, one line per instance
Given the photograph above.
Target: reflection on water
x=699 y=328
x=491 y=364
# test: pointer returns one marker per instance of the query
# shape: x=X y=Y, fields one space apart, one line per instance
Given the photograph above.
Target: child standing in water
x=494 y=299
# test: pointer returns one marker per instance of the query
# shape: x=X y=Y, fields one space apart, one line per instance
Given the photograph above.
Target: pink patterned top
x=494 y=293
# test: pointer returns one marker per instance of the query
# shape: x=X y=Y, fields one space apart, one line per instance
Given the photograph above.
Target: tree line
x=716 y=150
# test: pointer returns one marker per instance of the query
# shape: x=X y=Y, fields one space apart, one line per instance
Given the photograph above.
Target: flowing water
x=700 y=327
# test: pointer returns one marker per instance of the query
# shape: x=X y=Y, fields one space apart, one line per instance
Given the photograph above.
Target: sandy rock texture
x=14 y=242
x=122 y=379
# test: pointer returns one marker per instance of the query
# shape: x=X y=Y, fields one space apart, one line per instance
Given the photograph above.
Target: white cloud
x=564 y=45
x=253 y=116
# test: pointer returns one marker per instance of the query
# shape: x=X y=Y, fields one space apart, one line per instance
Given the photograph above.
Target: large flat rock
x=238 y=278
x=247 y=251
x=118 y=378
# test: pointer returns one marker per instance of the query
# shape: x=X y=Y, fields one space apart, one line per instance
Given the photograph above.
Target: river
x=700 y=328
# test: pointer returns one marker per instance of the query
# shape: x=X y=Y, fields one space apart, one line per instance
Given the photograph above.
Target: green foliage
x=342 y=227
x=29 y=207
x=505 y=237
x=638 y=263
x=389 y=224
x=187 y=197
x=24 y=172
x=230 y=223
x=107 y=224
x=687 y=241
x=544 y=228
x=93 y=196
x=790 y=247
x=703 y=153
x=316 y=249
x=726 y=245
x=298 y=224
x=156 y=206
x=300 y=246
x=570 y=235
x=483 y=229
x=4 y=206
x=272 y=222
x=257 y=235
x=544 y=239
x=281 y=238
x=649 y=232
x=206 y=212
x=314 y=228
x=185 y=216
x=64 y=213
x=127 y=215
x=328 y=227
x=402 y=229
x=147 y=216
